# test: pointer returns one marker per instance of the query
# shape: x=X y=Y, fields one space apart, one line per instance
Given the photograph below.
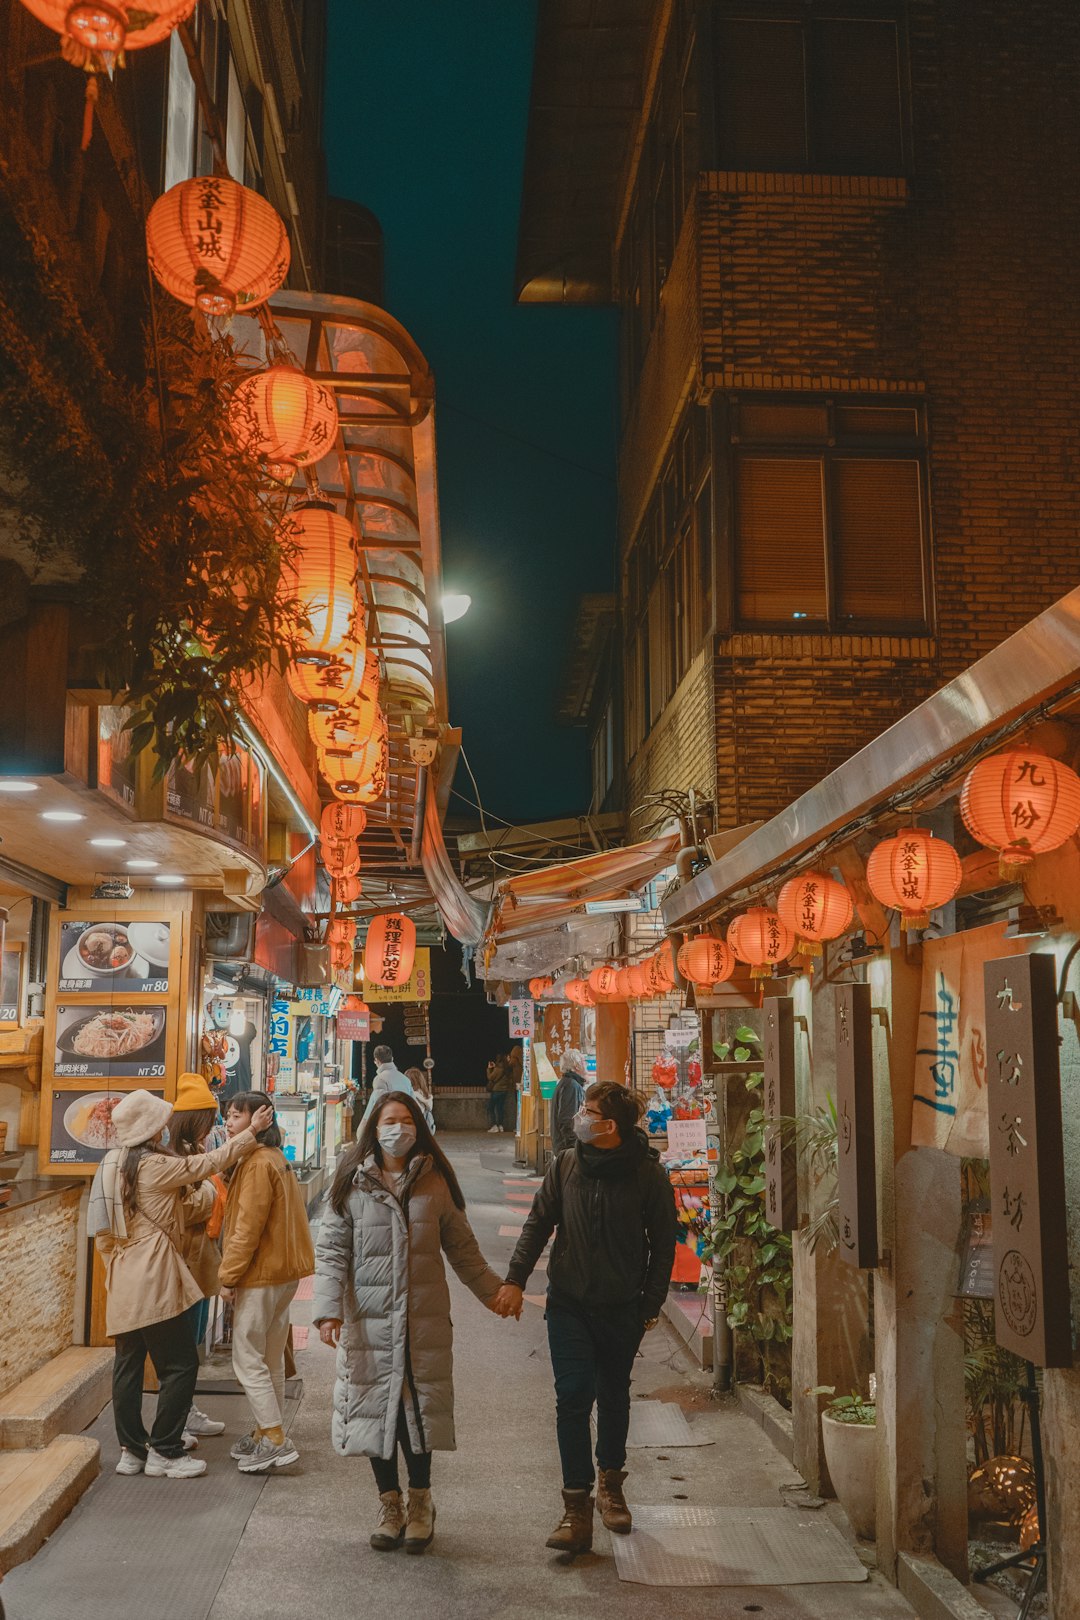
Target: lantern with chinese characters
x=539 y=988
x=759 y=938
x=341 y=956
x=341 y=857
x=577 y=991
x=815 y=907
x=602 y=981
x=342 y=821
x=637 y=978
x=104 y=28
x=215 y=244
x=345 y=730
x=318 y=569
x=661 y=970
x=914 y=873
x=336 y=685
x=622 y=984
x=390 y=949
x=359 y=777
x=706 y=960
x=345 y=890
x=342 y=931
x=283 y=416
x=1021 y=803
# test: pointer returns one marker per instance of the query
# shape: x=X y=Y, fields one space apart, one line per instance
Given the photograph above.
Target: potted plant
x=850 y=1438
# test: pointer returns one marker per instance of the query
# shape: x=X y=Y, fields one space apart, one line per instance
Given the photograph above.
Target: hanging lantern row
x=283 y=417
x=217 y=246
x=913 y=873
x=1022 y=803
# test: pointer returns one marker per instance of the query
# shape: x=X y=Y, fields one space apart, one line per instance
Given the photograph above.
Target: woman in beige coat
x=136 y=1220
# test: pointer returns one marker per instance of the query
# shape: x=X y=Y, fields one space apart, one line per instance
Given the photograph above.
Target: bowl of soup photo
x=105 y=948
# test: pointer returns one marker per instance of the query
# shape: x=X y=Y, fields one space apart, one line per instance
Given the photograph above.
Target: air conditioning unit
x=313 y=965
x=230 y=936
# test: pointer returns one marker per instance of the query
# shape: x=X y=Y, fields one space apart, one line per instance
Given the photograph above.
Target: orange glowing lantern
x=815 y=907
x=342 y=931
x=283 y=416
x=335 y=685
x=345 y=890
x=661 y=970
x=622 y=984
x=390 y=949
x=216 y=245
x=345 y=730
x=539 y=988
x=602 y=981
x=759 y=938
x=1022 y=803
x=914 y=873
x=341 y=956
x=341 y=857
x=342 y=821
x=637 y=977
x=577 y=991
x=107 y=27
x=706 y=960
x=359 y=777
x=319 y=569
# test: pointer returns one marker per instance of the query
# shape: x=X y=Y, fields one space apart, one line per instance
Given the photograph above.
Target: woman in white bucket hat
x=136 y=1219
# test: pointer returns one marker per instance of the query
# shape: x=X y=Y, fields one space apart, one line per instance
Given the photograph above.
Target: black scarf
x=611 y=1164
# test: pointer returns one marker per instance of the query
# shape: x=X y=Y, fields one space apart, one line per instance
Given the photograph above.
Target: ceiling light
x=142 y=866
x=62 y=815
x=12 y=786
x=455 y=605
x=169 y=877
x=109 y=843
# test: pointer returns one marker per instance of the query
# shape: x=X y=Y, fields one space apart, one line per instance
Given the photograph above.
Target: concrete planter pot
x=851 y=1453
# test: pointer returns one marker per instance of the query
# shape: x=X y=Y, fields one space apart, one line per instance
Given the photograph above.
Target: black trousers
x=417 y=1463
x=592 y=1357
x=175 y=1358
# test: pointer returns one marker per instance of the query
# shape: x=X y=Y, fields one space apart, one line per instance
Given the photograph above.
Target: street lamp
x=455 y=605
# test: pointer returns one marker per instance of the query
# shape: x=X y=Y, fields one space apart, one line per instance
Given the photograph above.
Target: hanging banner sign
x=1027 y=1161
x=778 y=1096
x=354 y=1026
x=521 y=1019
x=855 y=1163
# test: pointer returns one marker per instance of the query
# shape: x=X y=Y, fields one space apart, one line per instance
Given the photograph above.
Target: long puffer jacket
x=379 y=1271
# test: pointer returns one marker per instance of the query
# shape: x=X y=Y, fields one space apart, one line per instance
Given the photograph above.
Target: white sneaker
x=190 y=1440
x=267 y=1455
x=158 y=1467
x=130 y=1462
x=493 y=1130
x=244 y=1447
x=199 y=1423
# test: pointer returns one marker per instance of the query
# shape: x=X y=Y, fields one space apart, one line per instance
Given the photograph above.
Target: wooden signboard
x=778 y=1095
x=1027 y=1165
x=855 y=1161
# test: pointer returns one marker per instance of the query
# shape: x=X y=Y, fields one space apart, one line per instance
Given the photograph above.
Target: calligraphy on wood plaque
x=1027 y=1164
x=856 y=1167
x=778 y=1101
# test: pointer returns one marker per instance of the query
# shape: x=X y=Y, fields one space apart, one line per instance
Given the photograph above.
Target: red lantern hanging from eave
x=1022 y=803
x=637 y=978
x=390 y=949
x=539 y=988
x=318 y=569
x=913 y=873
x=106 y=27
x=217 y=245
x=344 y=730
x=602 y=981
x=622 y=984
x=341 y=956
x=359 y=777
x=661 y=970
x=285 y=417
x=340 y=821
x=577 y=991
x=341 y=857
x=815 y=907
x=706 y=960
x=342 y=931
x=345 y=890
x=759 y=938
x=332 y=686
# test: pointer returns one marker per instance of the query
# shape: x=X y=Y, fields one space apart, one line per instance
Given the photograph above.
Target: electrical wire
x=531 y=444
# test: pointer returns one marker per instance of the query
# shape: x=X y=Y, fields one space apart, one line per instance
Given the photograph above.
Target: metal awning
x=919 y=758
x=538 y=902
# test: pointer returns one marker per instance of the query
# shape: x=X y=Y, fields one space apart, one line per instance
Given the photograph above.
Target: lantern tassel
x=1013 y=862
x=90 y=102
x=914 y=919
x=808 y=947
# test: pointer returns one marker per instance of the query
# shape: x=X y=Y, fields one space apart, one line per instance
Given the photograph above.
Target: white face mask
x=396 y=1140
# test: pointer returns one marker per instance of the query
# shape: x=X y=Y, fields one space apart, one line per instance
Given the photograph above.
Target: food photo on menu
x=115 y=956
x=81 y=1128
x=110 y=1043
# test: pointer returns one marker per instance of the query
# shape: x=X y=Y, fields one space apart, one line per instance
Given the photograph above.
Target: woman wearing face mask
x=381 y=1297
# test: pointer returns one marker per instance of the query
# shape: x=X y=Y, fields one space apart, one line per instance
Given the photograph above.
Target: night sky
x=426 y=117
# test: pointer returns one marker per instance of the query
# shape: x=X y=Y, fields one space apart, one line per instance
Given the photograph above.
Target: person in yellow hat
x=194 y=1116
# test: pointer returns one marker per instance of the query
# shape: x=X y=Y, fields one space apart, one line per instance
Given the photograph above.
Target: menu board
x=10 y=986
x=99 y=1041
x=116 y=958
x=80 y=1130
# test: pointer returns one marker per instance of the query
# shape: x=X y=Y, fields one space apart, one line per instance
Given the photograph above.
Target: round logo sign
x=1017 y=1293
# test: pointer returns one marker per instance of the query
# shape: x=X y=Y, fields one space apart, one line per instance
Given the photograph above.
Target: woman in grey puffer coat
x=381 y=1296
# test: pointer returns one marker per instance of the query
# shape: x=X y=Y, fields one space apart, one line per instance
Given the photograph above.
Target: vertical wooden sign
x=778 y=1100
x=855 y=1148
x=1027 y=1164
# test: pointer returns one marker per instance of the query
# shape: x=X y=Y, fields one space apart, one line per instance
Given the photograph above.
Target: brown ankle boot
x=573 y=1533
x=612 y=1503
x=389 y=1532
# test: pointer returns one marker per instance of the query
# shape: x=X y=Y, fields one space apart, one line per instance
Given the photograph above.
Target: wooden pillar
x=613 y=1042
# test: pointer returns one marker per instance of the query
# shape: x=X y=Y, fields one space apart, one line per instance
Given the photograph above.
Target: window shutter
x=780 y=527
x=877 y=522
x=856 y=106
x=761 y=94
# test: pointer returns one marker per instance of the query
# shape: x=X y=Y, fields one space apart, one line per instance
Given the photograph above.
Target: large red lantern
x=342 y=821
x=622 y=984
x=577 y=991
x=344 y=730
x=283 y=416
x=345 y=890
x=341 y=857
x=215 y=244
x=637 y=978
x=815 y=907
x=319 y=569
x=914 y=873
x=107 y=27
x=602 y=981
x=359 y=777
x=706 y=960
x=661 y=970
x=341 y=956
x=760 y=938
x=1022 y=803
x=342 y=931
x=539 y=988
x=390 y=949
x=332 y=686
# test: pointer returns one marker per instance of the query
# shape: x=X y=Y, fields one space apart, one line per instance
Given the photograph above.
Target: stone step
x=63 y=1397
x=38 y=1489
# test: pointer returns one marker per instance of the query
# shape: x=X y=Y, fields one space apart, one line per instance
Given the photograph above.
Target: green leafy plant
x=846 y=1408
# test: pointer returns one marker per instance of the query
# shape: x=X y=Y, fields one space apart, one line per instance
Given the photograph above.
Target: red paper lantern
x=318 y=569
x=341 y=956
x=215 y=244
x=341 y=857
x=1022 y=803
x=336 y=685
x=342 y=821
x=602 y=981
x=390 y=949
x=578 y=991
x=815 y=907
x=622 y=984
x=661 y=970
x=914 y=873
x=283 y=416
x=539 y=988
x=345 y=890
x=342 y=931
x=360 y=777
x=345 y=730
x=107 y=27
x=760 y=938
x=637 y=978
x=706 y=960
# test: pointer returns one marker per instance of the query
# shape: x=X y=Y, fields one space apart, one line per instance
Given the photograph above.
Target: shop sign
x=80 y=1125
x=354 y=1026
x=1027 y=1164
x=324 y=1000
x=129 y=957
x=227 y=800
x=521 y=1019
x=10 y=986
x=855 y=1161
x=778 y=1100
x=417 y=986
x=686 y=1138
x=280 y=1043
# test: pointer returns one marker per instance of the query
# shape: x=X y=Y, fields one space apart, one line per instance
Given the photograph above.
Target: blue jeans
x=496 y=1107
x=592 y=1357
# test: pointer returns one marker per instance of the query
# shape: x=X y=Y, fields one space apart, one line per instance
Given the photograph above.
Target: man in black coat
x=610 y=1204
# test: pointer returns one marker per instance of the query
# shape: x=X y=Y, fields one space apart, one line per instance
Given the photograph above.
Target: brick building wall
x=680 y=751
x=38 y=1261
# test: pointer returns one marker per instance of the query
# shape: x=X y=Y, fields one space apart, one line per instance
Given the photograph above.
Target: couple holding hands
x=381 y=1297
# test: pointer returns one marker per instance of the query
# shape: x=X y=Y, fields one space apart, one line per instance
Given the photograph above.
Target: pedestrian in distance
x=195 y=1114
x=611 y=1207
x=381 y=1297
x=569 y=1097
x=420 y=1080
x=500 y=1083
x=266 y=1249
x=136 y=1220
x=388 y=1078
